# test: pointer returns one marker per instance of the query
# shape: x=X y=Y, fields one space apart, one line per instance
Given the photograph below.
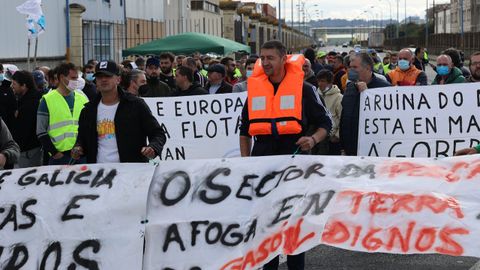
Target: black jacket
x=134 y=122
x=8 y=103
x=24 y=127
x=90 y=90
x=193 y=90
x=225 y=88
x=156 y=88
x=351 y=113
x=169 y=80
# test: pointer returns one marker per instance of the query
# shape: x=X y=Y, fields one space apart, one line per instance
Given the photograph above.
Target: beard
x=476 y=75
x=166 y=70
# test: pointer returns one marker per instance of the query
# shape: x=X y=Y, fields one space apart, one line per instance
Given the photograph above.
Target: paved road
x=330 y=258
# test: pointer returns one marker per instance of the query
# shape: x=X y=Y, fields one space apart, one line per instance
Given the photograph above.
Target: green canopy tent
x=188 y=43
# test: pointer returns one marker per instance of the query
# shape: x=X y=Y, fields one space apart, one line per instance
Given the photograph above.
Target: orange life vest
x=279 y=113
x=404 y=78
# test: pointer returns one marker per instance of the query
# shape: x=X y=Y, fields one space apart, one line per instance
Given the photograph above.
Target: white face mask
x=73 y=85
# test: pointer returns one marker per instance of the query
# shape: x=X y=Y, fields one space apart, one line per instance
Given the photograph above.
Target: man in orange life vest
x=279 y=109
x=406 y=73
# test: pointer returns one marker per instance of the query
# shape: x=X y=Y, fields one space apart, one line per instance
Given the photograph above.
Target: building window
x=205 y=5
x=211 y=7
x=197 y=5
x=101 y=45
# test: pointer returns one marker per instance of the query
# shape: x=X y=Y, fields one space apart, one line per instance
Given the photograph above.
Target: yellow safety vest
x=63 y=124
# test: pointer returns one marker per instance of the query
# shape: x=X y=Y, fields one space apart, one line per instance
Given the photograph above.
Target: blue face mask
x=353 y=75
x=403 y=64
x=442 y=70
x=2 y=77
x=249 y=73
x=89 y=77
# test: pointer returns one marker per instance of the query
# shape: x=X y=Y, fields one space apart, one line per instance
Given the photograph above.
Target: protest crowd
x=297 y=104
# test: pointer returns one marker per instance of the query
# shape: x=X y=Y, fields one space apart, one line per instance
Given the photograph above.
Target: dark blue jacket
x=351 y=113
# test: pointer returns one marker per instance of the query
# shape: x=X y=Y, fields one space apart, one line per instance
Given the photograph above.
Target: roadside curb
x=476 y=266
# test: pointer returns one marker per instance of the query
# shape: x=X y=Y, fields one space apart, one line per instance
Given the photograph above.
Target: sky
x=351 y=9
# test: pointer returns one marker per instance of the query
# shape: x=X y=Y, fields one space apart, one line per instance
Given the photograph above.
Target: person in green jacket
x=447 y=73
x=468 y=151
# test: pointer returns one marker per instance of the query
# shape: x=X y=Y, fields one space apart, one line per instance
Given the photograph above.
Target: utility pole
x=434 y=17
x=461 y=25
x=291 y=36
x=426 y=26
x=280 y=20
x=398 y=19
x=67 y=13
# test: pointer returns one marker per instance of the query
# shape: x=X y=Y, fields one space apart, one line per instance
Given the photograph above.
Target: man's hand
x=3 y=160
x=466 y=151
x=306 y=143
x=361 y=86
x=148 y=152
x=58 y=155
x=77 y=152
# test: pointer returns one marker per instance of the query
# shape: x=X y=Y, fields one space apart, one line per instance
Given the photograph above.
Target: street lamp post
x=426 y=26
x=398 y=20
x=390 y=6
x=461 y=25
x=280 y=21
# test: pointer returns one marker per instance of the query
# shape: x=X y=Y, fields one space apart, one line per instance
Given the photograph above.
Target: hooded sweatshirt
x=333 y=101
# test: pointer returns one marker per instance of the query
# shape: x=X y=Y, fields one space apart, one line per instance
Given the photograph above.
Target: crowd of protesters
x=95 y=114
x=44 y=111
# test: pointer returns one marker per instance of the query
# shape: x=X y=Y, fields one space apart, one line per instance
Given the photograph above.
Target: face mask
x=353 y=75
x=249 y=73
x=442 y=70
x=403 y=64
x=89 y=77
x=73 y=85
x=142 y=90
x=2 y=77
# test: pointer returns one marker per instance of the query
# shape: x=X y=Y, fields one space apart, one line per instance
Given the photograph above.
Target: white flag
x=35 y=18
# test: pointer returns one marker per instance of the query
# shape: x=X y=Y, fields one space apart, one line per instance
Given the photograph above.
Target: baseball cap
x=153 y=61
x=108 y=68
x=217 y=68
x=39 y=77
x=321 y=54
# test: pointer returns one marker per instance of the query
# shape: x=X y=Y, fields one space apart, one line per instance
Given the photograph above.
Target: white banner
x=419 y=121
x=72 y=217
x=204 y=126
x=239 y=213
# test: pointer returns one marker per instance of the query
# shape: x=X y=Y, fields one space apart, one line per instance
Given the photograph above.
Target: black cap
x=153 y=61
x=108 y=68
x=217 y=68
